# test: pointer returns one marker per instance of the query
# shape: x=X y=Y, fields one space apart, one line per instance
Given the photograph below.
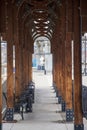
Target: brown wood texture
x=9 y=39
x=68 y=54
x=84 y=15
x=30 y=66
x=84 y=24
x=83 y=5
x=18 y=87
x=68 y=70
x=78 y=117
x=3 y=16
x=62 y=48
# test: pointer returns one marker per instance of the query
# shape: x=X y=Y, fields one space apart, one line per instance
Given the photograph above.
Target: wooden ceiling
x=41 y=14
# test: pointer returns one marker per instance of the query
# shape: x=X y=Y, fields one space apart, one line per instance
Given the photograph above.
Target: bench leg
x=22 y=113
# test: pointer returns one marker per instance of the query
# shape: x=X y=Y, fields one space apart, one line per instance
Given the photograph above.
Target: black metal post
x=10 y=114
x=79 y=127
x=69 y=115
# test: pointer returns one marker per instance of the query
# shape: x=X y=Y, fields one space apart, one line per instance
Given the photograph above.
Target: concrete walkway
x=46 y=113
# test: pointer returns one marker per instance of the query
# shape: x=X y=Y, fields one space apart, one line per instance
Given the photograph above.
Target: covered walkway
x=47 y=114
x=63 y=23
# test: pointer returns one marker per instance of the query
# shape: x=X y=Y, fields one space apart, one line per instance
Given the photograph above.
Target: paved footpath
x=46 y=113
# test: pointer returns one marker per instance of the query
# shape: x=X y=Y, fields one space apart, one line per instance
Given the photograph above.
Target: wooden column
x=17 y=70
x=0 y=90
x=30 y=52
x=9 y=39
x=59 y=61
x=78 y=117
x=68 y=61
x=28 y=47
x=62 y=52
x=17 y=66
x=22 y=46
x=17 y=39
x=59 y=72
x=30 y=66
x=54 y=60
x=24 y=66
x=56 y=50
x=68 y=76
x=54 y=67
x=26 y=55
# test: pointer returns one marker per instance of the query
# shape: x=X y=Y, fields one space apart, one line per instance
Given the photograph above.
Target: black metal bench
x=23 y=103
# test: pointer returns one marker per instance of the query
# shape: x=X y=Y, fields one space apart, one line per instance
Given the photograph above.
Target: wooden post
x=68 y=61
x=30 y=51
x=17 y=30
x=17 y=68
x=27 y=61
x=22 y=55
x=56 y=62
x=60 y=79
x=68 y=76
x=9 y=39
x=78 y=116
x=26 y=55
x=30 y=66
x=52 y=51
x=62 y=53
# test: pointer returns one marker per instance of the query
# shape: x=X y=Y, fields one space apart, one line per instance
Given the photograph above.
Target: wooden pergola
x=63 y=22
